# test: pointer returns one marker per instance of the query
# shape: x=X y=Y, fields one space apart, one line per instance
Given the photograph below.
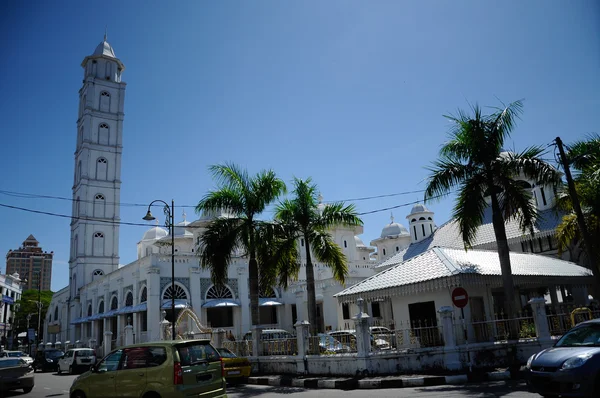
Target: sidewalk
x=350 y=383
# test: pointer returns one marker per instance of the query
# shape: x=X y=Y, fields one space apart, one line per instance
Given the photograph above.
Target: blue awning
x=79 y=320
x=109 y=314
x=140 y=307
x=216 y=303
x=179 y=304
x=95 y=317
x=125 y=310
x=267 y=302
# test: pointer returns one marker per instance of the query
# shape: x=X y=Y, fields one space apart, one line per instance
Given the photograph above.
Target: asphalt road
x=51 y=385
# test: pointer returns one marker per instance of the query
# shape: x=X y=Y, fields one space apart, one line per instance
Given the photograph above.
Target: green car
x=181 y=368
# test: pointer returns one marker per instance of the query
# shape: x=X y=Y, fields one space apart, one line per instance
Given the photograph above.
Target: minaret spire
x=105 y=29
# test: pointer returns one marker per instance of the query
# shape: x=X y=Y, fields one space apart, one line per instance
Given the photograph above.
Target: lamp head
x=149 y=216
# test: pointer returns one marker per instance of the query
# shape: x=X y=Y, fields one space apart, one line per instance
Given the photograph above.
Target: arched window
x=397 y=249
x=103 y=134
x=99 y=206
x=129 y=299
x=105 y=101
x=97 y=274
x=413 y=220
x=56 y=313
x=98 y=244
x=384 y=252
x=421 y=218
x=423 y=228
x=144 y=295
x=429 y=218
x=74 y=284
x=217 y=292
x=415 y=231
x=345 y=244
x=75 y=247
x=179 y=293
x=101 y=169
x=114 y=303
x=267 y=292
x=101 y=307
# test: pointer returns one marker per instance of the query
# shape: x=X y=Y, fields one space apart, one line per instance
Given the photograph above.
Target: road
x=51 y=385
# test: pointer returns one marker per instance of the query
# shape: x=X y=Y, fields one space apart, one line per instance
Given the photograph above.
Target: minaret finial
x=105 y=29
x=156 y=222
x=184 y=215
x=392 y=216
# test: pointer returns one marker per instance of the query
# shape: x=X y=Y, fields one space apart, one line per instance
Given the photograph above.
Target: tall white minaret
x=97 y=184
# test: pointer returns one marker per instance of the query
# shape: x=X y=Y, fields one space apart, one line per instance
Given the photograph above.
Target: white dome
x=105 y=49
x=359 y=242
x=181 y=230
x=155 y=233
x=419 y=208
x=393 y=230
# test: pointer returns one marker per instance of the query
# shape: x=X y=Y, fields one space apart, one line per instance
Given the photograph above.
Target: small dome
x=155 y=233
x=394 y=229
x=181 y=229
x=359 y=242
x=419 y=208
x=105 y=49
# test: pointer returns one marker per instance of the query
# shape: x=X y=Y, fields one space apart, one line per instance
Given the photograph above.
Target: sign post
x=460 y=299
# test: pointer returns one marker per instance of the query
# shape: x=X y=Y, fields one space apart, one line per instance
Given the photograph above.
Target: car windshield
x=9 y=363
x=326 y=339
x=225 y=353
x=85 y=353
x=16 y=354
x=54 y=354
x=194 y=353
x=588 y=335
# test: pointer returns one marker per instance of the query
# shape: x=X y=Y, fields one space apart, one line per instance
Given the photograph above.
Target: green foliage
x=28 y=305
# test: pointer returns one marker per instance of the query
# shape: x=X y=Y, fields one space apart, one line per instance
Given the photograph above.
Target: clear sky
x=349 y=93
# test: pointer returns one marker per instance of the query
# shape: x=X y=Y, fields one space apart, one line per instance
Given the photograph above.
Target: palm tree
x=474 y=162
x=304 y=217
x=244 y=198
x=584 y=157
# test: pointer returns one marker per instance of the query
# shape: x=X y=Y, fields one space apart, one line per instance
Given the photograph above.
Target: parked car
x=271 y=334
x=16 y=374
x=237 y=369
x=329 y=344
x=76 y=360
x=571 y=368
x=383 y=333
x=179 y=368
x=348 y=337
x=47 y=360
x=17 y=354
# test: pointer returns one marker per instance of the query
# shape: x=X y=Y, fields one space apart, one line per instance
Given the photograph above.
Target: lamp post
x=39 y=303
x=150 y=217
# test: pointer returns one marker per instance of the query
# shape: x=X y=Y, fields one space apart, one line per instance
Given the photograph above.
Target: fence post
x=302 y=331
x=538 y=306
x=363 y=335
x=218 y=337
x=257 y=347
x=451 y=356
x=107 y=342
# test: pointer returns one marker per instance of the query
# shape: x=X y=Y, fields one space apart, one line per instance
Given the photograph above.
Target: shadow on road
x=500 y=389
x=252 y=391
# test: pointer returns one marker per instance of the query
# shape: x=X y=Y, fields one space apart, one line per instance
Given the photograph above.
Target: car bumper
x=233 y=373
x=16 y=384
x=569 y=383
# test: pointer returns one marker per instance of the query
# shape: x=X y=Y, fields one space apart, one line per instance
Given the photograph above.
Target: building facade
x=32 y=263
x=10 y=293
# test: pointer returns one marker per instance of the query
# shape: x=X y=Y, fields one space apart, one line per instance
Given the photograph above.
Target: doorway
x=423 y=321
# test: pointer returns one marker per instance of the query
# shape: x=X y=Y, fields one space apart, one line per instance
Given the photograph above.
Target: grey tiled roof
x=441 y=262
x=448 y=235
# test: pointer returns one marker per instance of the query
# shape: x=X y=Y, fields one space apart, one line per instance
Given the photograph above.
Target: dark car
x=15 y=374
x=572 y=367
x=47 y=360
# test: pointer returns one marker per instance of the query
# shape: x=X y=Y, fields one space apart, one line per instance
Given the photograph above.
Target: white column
x=451 y=356
x=107 y=342
x=196 y=299
x=244 y=297
x=302 y=331
x=538 y=306
x=128 y=335
x=154 y=303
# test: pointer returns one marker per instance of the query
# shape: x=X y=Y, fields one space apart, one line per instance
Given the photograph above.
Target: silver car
x=572 y=367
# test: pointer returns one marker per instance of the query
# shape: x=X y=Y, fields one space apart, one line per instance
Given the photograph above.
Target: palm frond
x=265 y=188
x=277 y=254
x=225 y=199
x=516 y=202
x=469 y=208
x=231 y=175
x=529 y=163
x=329 y=253
x=217 y=245
x=339 y=214
x=586 y=153
x=503 y=121
x=445 y=175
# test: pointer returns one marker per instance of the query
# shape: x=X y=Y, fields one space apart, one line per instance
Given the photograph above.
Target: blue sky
x=349 y=93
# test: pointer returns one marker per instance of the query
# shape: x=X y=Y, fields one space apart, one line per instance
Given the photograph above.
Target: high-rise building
x=31 y=263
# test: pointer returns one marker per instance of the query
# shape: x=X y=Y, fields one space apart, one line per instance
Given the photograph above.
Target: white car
x=76 y=360
x=17 y=354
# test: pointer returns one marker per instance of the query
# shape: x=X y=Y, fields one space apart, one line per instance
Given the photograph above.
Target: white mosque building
x=102 y=298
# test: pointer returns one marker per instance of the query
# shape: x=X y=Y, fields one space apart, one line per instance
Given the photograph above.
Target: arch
x=56 y=313
x=101 y=307
x=144 y=294
x=97 y=274
x=129 y=299
x=114 y=303
x=98 y=244
x=413 y=220
x=218 y=291
x=180 y=292
x=89 y=311
x=421 y=218
x=105 y=101
x=99 y=206
x=103 y=134
x=75 y=248
x=429 y=218
x=101 y=169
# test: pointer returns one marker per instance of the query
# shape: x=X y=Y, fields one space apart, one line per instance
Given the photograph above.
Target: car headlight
x=48 y=360
x=529 y=361
x=576 y=362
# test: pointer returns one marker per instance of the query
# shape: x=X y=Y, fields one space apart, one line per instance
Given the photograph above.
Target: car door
x=65 y=361
x=132 y=375
x=201 y=369
x=102 y=382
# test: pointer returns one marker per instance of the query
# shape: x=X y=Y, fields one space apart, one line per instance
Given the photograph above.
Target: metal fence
x=562 y=318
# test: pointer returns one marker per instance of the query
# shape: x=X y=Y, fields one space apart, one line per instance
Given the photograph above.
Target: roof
x=443 y=262
x=448 y=235
x=105 y=49
x=31 y=238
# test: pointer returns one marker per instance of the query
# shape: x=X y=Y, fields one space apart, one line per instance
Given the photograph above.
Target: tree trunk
x=504 y=256
x=310 y=291
x=253 y=277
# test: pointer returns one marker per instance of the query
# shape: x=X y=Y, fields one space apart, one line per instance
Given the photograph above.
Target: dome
x=155 y=233
x=419 y=208
x=394 y=229
x=181 y=229
x=359 y=242
x=105 y=49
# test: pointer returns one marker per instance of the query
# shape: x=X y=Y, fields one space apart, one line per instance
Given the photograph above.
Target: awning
x=179 y=304
x=125 y=310
x=216 y=303
x=140 y=307
x=267 y=302
x=95 y=317
x=80 y=320
x=109 y=314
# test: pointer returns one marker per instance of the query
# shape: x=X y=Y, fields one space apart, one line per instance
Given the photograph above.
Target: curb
x=350 y=383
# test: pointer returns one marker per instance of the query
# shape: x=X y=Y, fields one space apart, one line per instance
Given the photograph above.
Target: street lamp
x=170 y=213
x=39 y=302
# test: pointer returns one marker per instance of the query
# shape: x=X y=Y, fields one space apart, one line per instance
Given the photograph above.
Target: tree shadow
x=251 y=390
x=485 y=389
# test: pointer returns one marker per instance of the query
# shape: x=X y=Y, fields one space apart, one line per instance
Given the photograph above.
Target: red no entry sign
x=460 y=297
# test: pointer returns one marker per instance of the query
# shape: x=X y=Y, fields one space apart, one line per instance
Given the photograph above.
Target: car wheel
x=78 y=394
x=59 y=371
x=27 y=390
x=71 y=369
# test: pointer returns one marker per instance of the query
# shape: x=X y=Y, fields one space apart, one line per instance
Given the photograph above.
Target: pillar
x=107 y=341
x=128 y=331
x=154 y=304
x=538 y=307
x=244 y=297
x=554 y=296
x=196 y=297
x=363 y=335
x=302 y=332
x=257 y=347
x=451 y=356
